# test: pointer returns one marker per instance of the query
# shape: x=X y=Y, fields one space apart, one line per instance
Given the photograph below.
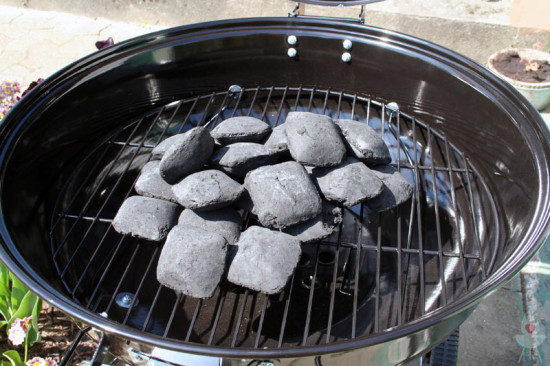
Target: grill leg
x=67 y=356
x=101 y=352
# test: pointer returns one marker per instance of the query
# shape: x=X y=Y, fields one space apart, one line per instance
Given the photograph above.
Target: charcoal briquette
x=313 y=139
x=363 y=142
x=240 y=129
x=192 y=261
x=277 y=140
x=264 y=260
x=207 y=190
x=318 y=228
x=242 y=157
x=146 y=217
x=158 y=151
x=225 y=221
x=396 y=189
x=151 y=184
x=187 y=155
x=282 y=194
x=348 y=184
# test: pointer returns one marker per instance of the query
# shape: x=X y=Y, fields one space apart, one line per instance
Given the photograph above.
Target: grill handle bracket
x=299 y=11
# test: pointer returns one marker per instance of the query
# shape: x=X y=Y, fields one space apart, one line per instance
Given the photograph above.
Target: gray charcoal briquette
x=207 y=190
x=151 y=184
x=348 y=184
x=282 y=194
x=318 y=228
x=278 y=141
x=146 y=217
x=187 y=155
x=396 y=189
x=363 y=142
x=264 y=260
x=225 y=221
x=314 y=139
x=192 y=261
x=158 y=152
x=242 y=157
x=240 y=129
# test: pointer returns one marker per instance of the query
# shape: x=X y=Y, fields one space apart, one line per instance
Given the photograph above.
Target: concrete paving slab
x=487 y=337
x=35 y=44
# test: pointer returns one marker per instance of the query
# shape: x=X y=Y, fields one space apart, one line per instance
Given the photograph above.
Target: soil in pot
x=513 y=66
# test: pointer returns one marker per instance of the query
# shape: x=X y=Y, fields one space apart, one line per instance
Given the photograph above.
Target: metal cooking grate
x=378 y=271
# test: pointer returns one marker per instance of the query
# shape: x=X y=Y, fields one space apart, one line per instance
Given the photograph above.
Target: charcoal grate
x=378 y=271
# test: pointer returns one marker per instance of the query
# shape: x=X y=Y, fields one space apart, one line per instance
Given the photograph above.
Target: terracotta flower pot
x=537 y=93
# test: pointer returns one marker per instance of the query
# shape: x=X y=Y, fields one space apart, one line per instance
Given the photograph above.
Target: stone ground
x=39 y=37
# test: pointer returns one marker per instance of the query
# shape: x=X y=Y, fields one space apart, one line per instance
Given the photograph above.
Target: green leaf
x=4 y=280
x=36 y=312
x=5 y=309
x=33 y=335
x=13 y=357
x=18 y=291
x=5 y=292
x=26 y=307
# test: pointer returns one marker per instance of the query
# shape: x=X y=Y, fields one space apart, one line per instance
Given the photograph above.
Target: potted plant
x=528 y=69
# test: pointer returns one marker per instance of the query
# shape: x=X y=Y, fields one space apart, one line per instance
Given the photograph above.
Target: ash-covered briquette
x=225 y=221
x=282 y=194
x=186 y=155
x=158 y=152
x=207 y=190
x=146 y=217
x=242 y=157
x=396 y=189
x=314 y=139
x=348 y=184
x=192 y=261
x=151 y=184
x=264 y=260
x=240 y=129
x=363 y=142
x=318 y=228
x=277 y=141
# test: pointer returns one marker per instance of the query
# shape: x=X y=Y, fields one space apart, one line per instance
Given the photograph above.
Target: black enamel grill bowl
x=386 y=287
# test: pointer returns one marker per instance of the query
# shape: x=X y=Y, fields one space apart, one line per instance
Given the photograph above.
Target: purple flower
x=106 y=43
x=9 y=88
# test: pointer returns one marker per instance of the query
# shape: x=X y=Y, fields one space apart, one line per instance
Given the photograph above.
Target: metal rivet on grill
x=235 y=91
x=347 y=44
x=124 y=300
x=392 y=107
x=292 y=52
x=292 y=40
x=346 y=57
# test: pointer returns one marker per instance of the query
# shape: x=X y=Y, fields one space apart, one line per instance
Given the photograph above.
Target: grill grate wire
x=357 y=283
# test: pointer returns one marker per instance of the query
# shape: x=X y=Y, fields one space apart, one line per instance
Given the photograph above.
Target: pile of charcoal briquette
x=199 y=184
